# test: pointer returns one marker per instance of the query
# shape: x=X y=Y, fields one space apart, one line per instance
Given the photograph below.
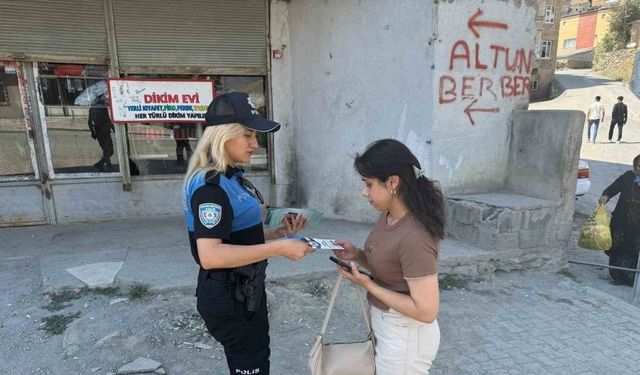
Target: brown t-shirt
x=395 y=253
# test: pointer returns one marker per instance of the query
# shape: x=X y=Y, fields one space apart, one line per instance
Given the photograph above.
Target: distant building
x=544 y=64
x=580 y=31
x=570 y=7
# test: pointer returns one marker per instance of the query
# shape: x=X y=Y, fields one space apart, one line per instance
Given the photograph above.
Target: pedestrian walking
x=618 y=117
x=402 y=254
x=625 y=224
x=595 y=116
x=222 y=213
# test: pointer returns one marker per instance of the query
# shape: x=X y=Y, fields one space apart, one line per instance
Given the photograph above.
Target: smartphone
x=347 y=267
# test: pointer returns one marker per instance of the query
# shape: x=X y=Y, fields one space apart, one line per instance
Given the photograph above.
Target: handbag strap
x=332 y=301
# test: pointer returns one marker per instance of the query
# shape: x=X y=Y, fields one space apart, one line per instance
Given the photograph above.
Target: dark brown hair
x=423 y=198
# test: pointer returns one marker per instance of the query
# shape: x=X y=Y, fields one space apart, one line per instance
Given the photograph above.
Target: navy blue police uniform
x=223 y=206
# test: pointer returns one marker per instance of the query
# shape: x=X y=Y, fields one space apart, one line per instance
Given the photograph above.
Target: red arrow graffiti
x=468 y=110
x=474 y=24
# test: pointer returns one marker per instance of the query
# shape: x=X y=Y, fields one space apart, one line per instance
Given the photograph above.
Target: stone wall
x=518 y=231
x=616 y=64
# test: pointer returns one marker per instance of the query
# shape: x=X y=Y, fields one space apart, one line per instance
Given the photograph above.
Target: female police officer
x=222 y=212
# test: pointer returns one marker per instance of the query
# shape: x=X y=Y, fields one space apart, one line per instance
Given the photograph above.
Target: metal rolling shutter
x=217 y=36
x=32 y=29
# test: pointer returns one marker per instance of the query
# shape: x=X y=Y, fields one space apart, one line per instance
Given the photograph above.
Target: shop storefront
x=55 y=60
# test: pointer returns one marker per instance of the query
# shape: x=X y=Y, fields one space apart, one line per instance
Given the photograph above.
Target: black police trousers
x=244 y=335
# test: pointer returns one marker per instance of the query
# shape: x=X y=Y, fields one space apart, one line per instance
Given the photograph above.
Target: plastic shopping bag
x=595 y=233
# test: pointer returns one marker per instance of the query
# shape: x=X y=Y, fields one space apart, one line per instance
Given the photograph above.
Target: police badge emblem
x=210 y=214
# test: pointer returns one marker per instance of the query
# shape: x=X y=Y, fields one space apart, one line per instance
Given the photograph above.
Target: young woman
x=222 y=212
x=625 y=224
x=402 y=254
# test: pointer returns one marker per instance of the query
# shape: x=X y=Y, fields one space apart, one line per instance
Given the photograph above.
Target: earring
x=393 y=192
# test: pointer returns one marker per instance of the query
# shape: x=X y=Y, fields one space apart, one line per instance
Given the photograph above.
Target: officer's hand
x=292 y=224
x=604 y=199
x=350 y=252
x=294 y=249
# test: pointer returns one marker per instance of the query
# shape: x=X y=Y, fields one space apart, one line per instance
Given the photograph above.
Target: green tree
x=621 y=16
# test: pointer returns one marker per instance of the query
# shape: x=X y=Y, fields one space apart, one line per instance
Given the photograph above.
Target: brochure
x=276 y=215
x=318 y=243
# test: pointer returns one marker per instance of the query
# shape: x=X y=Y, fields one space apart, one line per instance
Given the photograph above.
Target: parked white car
x=584 y=183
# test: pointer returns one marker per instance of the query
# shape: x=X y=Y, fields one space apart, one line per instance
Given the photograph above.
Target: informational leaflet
x=277 y=215
x=318 y=243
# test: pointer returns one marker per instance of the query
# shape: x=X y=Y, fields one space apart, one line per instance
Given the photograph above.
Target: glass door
x=23 y=192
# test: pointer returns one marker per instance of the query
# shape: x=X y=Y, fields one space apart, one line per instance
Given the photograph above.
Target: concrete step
x=461 y=259
x=502 y=221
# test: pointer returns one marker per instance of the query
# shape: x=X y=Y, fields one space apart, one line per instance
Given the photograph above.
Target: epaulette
x=212 y=178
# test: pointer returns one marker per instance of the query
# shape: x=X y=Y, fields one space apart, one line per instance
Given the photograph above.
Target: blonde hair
x=210 y=154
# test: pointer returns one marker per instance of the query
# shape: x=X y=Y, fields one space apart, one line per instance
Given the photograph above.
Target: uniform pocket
x=215 y=299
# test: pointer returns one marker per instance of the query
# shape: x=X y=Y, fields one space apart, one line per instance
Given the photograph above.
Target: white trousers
x=404 y=346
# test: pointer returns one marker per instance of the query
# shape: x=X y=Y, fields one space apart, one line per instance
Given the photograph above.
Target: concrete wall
x=634 y=82
x=284 y=168
x=474 y=93
x=545 y=150
x=103 y=199
x=361 y=72
x=528 y=223
x=21 y=203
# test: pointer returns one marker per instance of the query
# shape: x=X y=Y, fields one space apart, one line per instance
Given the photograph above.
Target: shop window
x=4 y=94
x=70 y=94
x=569 y=43
x=550 y=14
x=545 y=52
x=165 y=148
x=15 y=151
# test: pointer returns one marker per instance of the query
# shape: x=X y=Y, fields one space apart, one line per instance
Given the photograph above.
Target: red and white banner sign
x=149 y=101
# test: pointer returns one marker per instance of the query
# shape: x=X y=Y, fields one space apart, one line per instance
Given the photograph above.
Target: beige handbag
x=354 y=358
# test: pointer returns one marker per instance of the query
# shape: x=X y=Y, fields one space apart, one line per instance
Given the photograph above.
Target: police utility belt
x=246 y=283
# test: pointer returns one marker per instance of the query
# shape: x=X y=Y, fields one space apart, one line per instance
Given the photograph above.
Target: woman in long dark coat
x=625 y=223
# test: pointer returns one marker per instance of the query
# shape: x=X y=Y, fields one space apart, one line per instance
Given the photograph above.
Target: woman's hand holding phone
x=357 y=276
x=350 y=252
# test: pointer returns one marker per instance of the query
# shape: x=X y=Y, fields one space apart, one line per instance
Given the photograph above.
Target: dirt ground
x=85 y=332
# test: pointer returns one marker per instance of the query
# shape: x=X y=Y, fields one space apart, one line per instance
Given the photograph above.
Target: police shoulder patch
x=210 y=214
